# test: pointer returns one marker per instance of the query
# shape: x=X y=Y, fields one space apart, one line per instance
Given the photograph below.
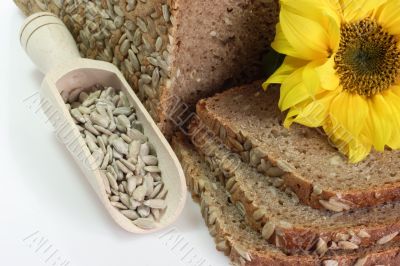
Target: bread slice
x=282 y=218
x=245 y=246
x=171 y=51
x=249 y=122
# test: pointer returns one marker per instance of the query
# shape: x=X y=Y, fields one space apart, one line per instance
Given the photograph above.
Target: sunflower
x=341 y=71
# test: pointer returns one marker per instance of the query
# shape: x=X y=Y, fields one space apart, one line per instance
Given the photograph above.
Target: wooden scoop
x=52 y=48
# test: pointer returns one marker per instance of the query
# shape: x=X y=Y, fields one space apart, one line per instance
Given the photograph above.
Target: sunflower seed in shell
x=145 y=223
x=130 y=214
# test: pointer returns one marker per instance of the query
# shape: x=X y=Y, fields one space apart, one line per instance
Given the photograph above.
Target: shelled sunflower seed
x=126 y=159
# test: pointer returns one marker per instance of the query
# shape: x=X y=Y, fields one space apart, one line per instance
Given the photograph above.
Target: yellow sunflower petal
x=396 y=90
x=324 y=13
x=348 y=113
x=389 y=16
x=315 y=113
x=307 y=37
x=301 y=85
x=378 y=122
x=293 y=90
x=358 y=151
x=311 y=79
x=327 y=74
x=316 y=10
x=289 y=65
x=281 y=44
x=355 y=148
x=393 y=101
x=292 y=113
x=359 y=9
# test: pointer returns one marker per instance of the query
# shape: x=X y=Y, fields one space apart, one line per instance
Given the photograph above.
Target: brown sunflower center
x=368 y=59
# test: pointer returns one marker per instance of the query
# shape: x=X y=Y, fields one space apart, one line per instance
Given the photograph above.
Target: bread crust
x=300 y=184
x=297 y=237
x=191 y=163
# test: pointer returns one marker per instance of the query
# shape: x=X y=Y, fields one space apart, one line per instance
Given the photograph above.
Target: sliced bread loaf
x=249 y=122
x=170 y=50
x=245 y=246
x=283 y=219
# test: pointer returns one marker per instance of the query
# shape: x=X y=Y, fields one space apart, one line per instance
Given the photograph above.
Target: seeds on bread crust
x=387 y=238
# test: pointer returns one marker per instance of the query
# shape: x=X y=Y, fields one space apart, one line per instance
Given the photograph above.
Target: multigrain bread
x=249 y=122
x=245 y=246
x=170 y=50
x=282 y=219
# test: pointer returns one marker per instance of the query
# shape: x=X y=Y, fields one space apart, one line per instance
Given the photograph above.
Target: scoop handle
x=47 y=41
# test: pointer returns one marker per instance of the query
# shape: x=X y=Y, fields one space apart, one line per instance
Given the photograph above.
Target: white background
x=48 y=211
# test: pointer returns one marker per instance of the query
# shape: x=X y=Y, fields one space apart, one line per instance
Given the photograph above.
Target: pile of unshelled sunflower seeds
x=127 y=161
